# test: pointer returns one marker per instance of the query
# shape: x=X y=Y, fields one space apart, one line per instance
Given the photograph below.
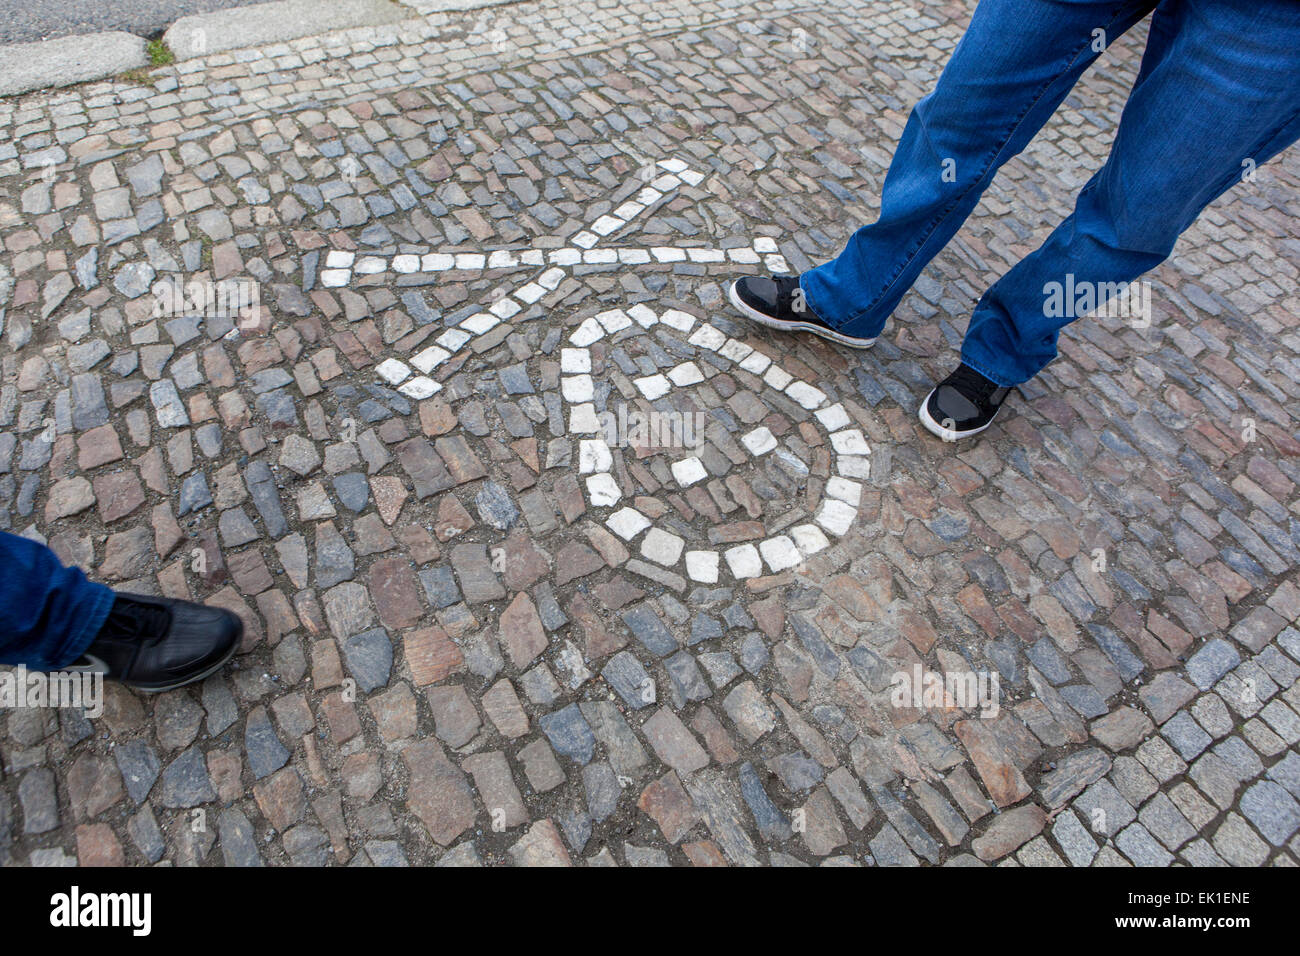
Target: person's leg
x=1015 y=64
x=1218 y=88
x=49 y=614
x=52 y=618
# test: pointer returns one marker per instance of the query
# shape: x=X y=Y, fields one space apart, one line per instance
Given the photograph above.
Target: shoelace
x=972 y=384
x=134 y=620
x=786 y=284
x=785 y=290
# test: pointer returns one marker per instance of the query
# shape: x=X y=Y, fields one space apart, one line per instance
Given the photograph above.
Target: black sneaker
x=157 y=644
x=779 y=303
x=963 y=404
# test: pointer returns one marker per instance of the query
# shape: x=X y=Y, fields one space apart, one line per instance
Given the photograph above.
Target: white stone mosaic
x=774 y=554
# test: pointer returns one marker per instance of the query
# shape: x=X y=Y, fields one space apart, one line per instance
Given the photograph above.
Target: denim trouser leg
x=49 y=614
x=1015 y=64
x=1219 y=89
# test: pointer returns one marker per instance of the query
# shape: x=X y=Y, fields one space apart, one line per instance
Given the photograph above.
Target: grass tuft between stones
x=160 y=53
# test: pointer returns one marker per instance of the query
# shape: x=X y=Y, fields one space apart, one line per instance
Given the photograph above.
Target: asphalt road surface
x=22 y=21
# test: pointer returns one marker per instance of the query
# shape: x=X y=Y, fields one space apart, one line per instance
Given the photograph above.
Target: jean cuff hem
x=837 y=325
x=96 y=613
x=998 y=379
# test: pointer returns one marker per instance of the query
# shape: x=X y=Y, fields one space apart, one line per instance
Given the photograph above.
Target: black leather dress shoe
x=779 y=303
x=156 y=644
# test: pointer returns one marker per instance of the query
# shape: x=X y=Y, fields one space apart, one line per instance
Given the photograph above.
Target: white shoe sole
x=947 y=434
x=782 y=326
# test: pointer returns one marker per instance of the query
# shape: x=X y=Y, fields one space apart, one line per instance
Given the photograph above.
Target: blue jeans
x=49 y=614
x=1218 y=93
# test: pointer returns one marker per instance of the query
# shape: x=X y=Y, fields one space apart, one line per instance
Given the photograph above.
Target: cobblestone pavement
x=479 y=633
